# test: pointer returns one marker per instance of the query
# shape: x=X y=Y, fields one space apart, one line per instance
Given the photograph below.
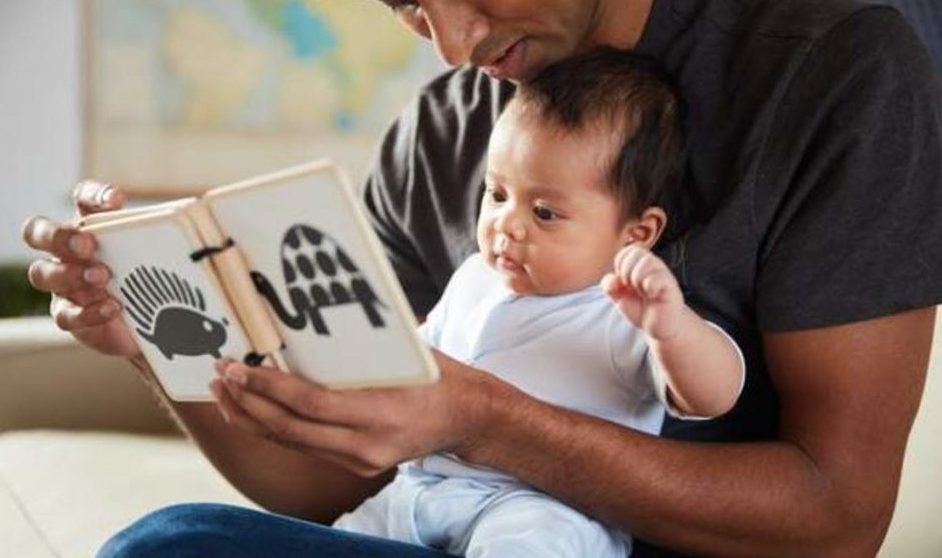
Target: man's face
x=508 y=39
x=548 y=223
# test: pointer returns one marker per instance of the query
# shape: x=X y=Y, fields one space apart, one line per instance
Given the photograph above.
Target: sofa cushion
x=63 y=494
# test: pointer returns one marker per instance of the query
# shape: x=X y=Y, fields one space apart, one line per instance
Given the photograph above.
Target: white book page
x=340 y=311
x=171 y=304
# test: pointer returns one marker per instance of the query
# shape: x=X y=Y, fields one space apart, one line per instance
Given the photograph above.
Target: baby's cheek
x=570 y=272
x=483 y=235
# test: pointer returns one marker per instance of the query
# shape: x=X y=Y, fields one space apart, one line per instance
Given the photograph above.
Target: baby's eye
x=544 y=213
x=496 y=196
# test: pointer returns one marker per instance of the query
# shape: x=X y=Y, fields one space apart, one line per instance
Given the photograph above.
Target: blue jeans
x=205 y=530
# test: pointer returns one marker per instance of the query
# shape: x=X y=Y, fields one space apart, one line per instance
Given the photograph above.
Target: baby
x=566 y=301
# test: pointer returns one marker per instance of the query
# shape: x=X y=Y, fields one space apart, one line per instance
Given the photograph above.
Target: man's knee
x=181 y=531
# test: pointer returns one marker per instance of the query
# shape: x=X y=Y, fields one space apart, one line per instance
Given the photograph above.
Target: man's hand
x=646 y=292
x=366 y=431
x=80 y=303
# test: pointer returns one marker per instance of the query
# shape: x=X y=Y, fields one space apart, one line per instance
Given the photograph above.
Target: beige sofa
x=84 y=450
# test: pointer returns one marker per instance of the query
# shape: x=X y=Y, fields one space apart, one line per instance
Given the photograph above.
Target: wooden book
x=282 y=269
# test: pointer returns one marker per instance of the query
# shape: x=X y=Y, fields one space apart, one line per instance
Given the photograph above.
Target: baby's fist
x=645 y=291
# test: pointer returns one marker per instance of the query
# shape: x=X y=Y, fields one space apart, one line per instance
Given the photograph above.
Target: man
x=926 y=18
x=809 y=233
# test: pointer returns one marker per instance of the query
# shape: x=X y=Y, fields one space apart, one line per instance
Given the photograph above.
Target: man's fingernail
x=236 y=376
x=221 y=364
x=79 y=245
x=95 y=275
x=108 y=309
x=103 y=194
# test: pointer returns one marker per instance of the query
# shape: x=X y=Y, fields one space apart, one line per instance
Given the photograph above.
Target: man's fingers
x=63 y=277
x=72 y=317
x=299 y=395
x=93 y=197
x=287 y=427
x=62 y=241
x=86 y=296
x=232 y=413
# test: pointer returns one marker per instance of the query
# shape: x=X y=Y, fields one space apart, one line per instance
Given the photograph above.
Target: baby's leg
x=525 y=523
x=388 y=514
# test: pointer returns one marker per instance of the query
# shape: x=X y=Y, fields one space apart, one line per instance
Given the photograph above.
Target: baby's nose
x=511 y=225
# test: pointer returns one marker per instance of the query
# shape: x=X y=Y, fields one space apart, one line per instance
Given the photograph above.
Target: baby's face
x=548 y=223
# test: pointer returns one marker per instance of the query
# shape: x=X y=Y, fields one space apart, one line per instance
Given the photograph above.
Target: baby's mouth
x=507 y=263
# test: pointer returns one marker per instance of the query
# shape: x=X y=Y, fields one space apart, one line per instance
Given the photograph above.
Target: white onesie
x=574 y=350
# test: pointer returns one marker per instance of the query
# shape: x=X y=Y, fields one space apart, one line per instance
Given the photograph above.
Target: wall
x=40 y=113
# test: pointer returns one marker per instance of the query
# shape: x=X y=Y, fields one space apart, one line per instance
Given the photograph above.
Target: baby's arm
x=702 y=367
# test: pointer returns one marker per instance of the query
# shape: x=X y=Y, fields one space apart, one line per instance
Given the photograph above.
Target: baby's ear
x=646 y=228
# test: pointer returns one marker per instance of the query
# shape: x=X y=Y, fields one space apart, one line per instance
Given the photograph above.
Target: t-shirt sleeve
x=851 y=181
x=423 y=193
x=385 y=195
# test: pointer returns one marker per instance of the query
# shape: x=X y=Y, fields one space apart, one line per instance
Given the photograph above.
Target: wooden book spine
x=233 y=273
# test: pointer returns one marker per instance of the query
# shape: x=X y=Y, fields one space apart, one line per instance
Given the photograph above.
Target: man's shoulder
x=784 y=19
x=809 y=18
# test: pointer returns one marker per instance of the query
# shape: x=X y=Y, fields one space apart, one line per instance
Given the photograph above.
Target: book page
x=316 y=262
x=129 y=212
x=172 y=304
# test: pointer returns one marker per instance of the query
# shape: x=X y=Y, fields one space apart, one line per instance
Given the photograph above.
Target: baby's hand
x=646 y=292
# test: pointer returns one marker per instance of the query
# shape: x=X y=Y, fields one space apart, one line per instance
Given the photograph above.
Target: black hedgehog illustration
x=170 y=314
x=317 y=274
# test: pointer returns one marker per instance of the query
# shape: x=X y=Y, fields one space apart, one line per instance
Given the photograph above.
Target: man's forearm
x=751 y=499
x=826 y=488
x=277 y=478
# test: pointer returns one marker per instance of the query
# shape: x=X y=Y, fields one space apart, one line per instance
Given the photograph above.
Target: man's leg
x=200 y=530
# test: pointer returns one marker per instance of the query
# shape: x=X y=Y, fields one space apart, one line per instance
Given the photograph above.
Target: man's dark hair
x=632 y=95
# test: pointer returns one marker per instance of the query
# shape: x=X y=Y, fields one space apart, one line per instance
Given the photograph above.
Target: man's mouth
x=508 y=64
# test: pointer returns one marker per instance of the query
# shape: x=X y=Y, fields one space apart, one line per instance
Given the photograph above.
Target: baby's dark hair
x=632 y=95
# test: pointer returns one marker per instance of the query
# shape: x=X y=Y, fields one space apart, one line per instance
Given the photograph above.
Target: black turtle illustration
x=170 y=314
x=317 y=273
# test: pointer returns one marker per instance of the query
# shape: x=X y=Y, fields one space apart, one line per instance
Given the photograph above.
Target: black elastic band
x=253 y=359
x=210 y=250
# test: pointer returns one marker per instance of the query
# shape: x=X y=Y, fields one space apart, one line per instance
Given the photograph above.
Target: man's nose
x=457 y=26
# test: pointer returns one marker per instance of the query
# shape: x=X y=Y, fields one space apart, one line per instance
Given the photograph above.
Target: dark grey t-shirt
x=814 y=191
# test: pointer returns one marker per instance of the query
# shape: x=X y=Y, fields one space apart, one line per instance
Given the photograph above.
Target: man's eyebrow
x=398 y=3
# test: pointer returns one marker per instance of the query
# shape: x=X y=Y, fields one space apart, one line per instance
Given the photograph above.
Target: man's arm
x=826 y=488
x=278 y=478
